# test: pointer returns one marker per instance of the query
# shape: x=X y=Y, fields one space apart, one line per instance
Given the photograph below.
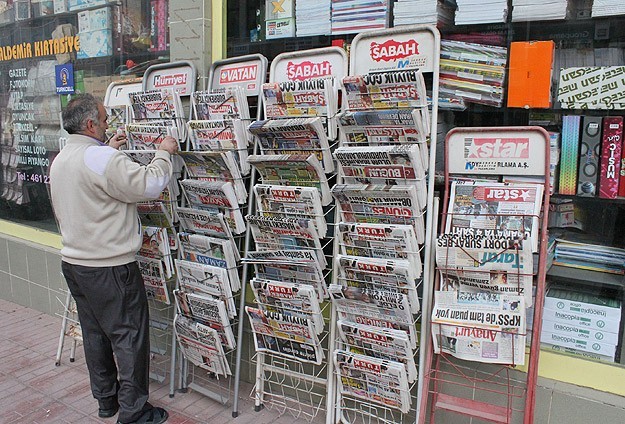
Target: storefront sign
x=52 y=46
x=64 y=78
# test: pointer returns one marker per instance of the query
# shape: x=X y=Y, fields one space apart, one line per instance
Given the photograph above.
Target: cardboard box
x=611 y=144
x=95 y=20
x=75 y=5
x=575 y=352
x=95 y=44
x=581 y=320
x=590 y=152
x=569 y=154
x=60 y=6
x=583 y=333
x=572 y=342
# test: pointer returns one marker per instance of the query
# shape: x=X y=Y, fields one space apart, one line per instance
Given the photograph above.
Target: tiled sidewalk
x=35 y=391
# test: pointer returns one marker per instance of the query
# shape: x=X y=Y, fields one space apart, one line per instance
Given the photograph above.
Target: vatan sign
x=28 y=50
x=64 y=78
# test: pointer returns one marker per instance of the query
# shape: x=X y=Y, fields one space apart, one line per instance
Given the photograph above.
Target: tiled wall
x=30 y=275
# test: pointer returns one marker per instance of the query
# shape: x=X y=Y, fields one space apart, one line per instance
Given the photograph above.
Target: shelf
x=575 y=198
x=586 y=276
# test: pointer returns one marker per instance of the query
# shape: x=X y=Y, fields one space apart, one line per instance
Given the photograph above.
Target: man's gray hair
x=78 y=111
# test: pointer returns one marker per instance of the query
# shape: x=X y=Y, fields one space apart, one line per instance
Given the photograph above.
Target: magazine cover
x=201 y=278
x=227 y=135
x=291 y=337
x=293 y=170
x=217 y=198
x=154 y=278
x=210 y=311
x=380 y=343
x=495 y=210
x=276 y=201
x=288 y=299
x=204 y=222
x=201 y=346
x=230 y=103
x=375 y=380
x=215 y=166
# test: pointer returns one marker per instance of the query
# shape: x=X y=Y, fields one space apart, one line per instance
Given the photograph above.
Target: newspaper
x=216 y=197
x=385 y=90
x=215 y=166
x=291 y=202
x=392 y=276
x=209 y=311
x=292 y=266
x=375 y=380
x=378 y=204
x=288 y=299
x=291 y=337
x=474 y=264
x=154 y=278
x=152 y=105
x=226 y=135
x=149 y=136
x=204 y=222
x=117 y=118
x=383 y=241
x=211 y=251
x=157 y=213
x=155 y=245
x=301 y=136
x=293 y=170
x=201 y=346
x=380 y=343
x=230 y=103
x=286 y=234
x=495 y=210
x=201 y=278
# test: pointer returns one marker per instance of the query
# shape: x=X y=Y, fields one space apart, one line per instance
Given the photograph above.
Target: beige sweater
x=94 y=190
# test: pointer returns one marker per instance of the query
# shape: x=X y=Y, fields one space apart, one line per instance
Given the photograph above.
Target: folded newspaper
x=229 y=103
x=216 y=197
x=201 y=346
x=154 y=278
x=204 y=222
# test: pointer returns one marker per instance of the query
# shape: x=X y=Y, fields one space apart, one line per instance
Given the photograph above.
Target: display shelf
x=585 y=276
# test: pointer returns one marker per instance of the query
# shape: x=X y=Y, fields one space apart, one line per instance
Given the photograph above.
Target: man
x=94 y=189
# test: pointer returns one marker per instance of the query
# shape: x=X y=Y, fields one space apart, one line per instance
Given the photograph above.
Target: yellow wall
x=34 y=235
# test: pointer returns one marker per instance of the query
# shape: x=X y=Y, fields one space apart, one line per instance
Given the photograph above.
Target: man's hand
x=118 y=140
x=169 y=144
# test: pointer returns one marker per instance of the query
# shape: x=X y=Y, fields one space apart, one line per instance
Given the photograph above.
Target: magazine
x=277 y=201
x=211 y=251
x=215 y=166
x=301 y=136
x=291 y=337
x=293 y=170
x=286 y=234
x=154 y=278
x=378 y=204
x=216 y=197
x=495 y=210
x=204 y=222
x=227 y=135
x=208 y=310
x=201 y=278
x=298 y=300
x=383 y=241
x=473 y=264
x=375 y=380
x=230 y=103
x=292 y=266
x=392 y=276
x=200 y=345
x=385 y=90
x=380 y=343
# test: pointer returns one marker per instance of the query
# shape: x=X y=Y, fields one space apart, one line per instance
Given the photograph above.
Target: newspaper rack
x=503 y=389
x=395 y=196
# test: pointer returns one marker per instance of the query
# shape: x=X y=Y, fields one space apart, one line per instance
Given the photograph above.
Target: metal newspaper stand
x=501 y=392
x=408 y=48
x=247 y=72
x=287 y=384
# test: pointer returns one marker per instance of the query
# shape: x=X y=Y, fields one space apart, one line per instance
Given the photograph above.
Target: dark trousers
x=113 y=311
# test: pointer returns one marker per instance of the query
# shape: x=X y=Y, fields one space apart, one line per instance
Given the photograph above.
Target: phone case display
x=490 y=238
x=382 y=197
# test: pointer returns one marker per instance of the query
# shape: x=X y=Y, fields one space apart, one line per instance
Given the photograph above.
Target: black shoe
x=152 y=416
x=108 y=409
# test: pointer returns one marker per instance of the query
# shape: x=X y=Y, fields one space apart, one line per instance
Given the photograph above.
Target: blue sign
x=64 y=78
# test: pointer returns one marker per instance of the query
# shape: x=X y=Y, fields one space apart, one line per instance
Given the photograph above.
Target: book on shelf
x=380 y=275
x=229 y=103
x=216 y=197
x=380 y=381
x=380 y=343
x=291 y=337
x=154 y=278
x=211 y=251
x=271 y=233
x=215 y=166
x=201 y=345
x=201 y=278
x=301 y=136
x=277 y=201
x=288 y=299
x=209 y=311
x=204 y=222
x=293 y=170
x=385 y=90
x=222 y=135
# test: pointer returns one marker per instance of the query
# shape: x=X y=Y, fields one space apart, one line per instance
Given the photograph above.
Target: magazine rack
x=385 y=67
x=303 y=86
x=502 y=391
x=246 y=73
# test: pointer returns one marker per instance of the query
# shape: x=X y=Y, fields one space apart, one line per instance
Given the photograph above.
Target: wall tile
x=20 y=288
x=40 y=298
x=5 y=286
x=37 y=268
x=55 y=279
x=4 y=255
x=18 y=263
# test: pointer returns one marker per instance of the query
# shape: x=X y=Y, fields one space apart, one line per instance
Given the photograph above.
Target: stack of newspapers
x=538 y=10
x=485 y=260
x=313 y=17
x=602 y=8
x=436 y=12
x=481 y=12
x=153 y=116
x=352 y=16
